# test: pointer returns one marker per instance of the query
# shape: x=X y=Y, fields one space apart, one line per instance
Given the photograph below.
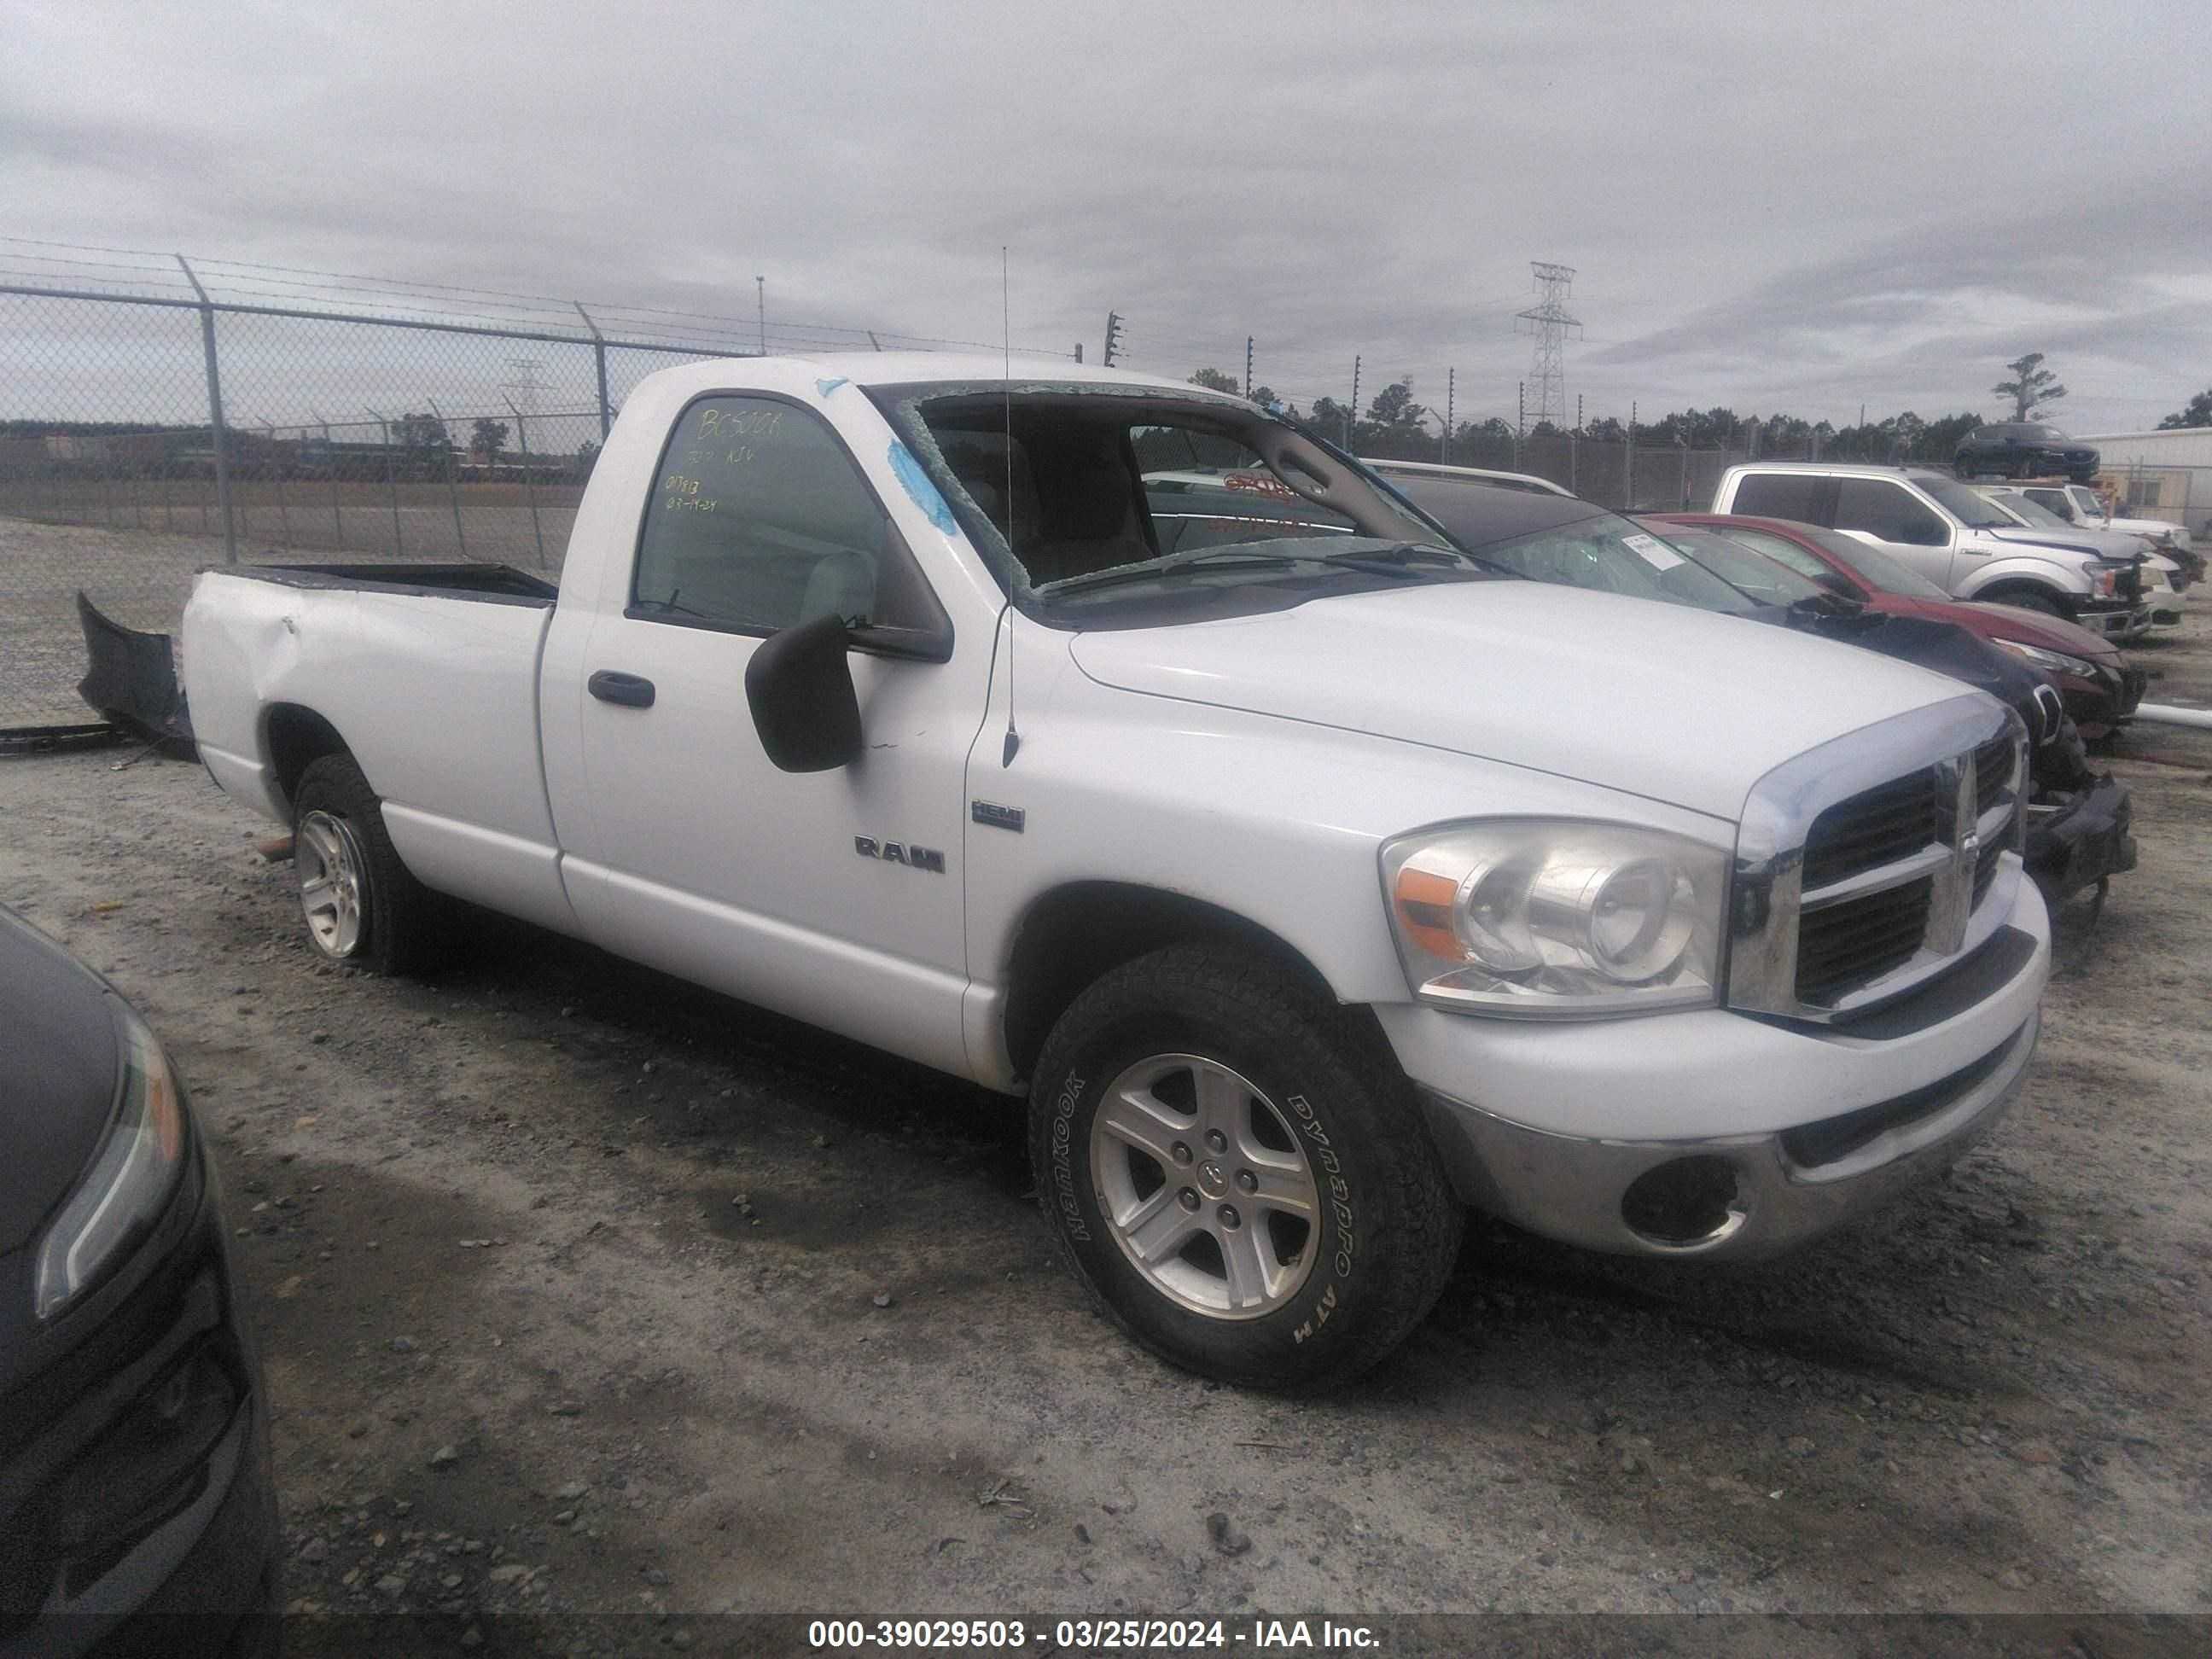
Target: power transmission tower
x=525 y=386
x=1549 y=321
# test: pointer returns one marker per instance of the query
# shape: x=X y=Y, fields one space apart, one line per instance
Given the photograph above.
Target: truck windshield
x=1966 y=505
x=1089 y=495
x=2033 y=511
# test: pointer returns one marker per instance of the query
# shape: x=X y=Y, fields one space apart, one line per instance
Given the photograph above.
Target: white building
x=2158 y=475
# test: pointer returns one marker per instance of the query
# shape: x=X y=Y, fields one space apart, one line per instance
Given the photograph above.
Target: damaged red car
x=2100 y=688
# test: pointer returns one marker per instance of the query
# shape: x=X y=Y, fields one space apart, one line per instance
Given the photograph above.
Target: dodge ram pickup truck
x=1312 y=886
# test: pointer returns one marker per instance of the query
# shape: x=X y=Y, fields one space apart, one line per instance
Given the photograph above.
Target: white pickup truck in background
x=1310 y=879
x=1954 y=536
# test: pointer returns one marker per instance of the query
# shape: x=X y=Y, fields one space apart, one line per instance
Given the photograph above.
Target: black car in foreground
x=137 y=1513
x=2023 y=449
x=2078 y=820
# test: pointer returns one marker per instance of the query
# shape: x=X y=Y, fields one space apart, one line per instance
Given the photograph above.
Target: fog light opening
x=1684 y=1204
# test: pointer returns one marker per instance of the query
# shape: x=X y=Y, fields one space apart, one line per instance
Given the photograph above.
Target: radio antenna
x=1014 y=742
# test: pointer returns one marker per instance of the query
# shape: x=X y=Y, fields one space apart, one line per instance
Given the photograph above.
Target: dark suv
x=2023 y=449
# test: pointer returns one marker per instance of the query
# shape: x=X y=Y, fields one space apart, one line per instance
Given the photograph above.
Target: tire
x=2027 y=598
x=362 y=906
x=1310 y=1107
x=1965 y=470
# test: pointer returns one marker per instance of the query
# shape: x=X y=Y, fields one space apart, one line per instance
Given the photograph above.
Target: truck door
x=833 y=896
x=1884 y=513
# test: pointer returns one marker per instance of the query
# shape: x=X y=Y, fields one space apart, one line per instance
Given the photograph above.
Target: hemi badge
x=999 y=817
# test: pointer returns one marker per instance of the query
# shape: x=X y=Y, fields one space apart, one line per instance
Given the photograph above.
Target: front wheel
x=2027 y=598
x=1239 y=1174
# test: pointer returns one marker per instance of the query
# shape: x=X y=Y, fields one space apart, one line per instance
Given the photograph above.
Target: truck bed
x=428 y=673
x=495 y=583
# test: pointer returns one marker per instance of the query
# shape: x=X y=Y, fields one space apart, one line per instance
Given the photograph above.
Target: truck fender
x=2061 y=578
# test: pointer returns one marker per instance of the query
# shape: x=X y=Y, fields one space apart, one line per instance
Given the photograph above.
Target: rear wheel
x=362 y=906
x=1237 y=1171
x=1964 y=468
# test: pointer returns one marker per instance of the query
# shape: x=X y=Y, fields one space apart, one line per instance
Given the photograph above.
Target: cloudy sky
x=1774 y=206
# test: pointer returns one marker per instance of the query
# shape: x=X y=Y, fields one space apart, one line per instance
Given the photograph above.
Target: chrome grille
x=1993 y=763
x=1846 y=945
x=1870 y=865
x=1872 y=828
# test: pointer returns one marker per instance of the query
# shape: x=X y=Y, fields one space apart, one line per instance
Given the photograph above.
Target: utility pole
x=1353 y=413
x=1248 y=366
x=1444 y=445
x=760 y=298
x=1549 y=320
x=1113 y=339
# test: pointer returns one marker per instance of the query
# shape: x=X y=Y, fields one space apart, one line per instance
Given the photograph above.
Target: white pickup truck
x=1312 y=880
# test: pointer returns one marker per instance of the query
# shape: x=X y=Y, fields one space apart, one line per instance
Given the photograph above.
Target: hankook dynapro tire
x=362 y=906
x=1238 y=1171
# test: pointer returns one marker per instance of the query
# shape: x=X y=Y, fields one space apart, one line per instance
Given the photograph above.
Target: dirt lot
x=583 y=1292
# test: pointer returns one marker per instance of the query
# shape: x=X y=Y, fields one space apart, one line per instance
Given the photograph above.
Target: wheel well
x=1078 y=933
x=298 y=738
x=1998 y=592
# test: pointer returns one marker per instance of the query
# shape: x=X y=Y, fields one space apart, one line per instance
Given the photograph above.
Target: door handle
x=630 y=690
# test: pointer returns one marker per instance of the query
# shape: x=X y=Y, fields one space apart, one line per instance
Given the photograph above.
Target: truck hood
x=1684 y=707
x=2097 y=544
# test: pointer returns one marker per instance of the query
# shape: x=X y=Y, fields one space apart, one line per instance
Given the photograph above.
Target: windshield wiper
x=1231 y=558
x=1395 y=559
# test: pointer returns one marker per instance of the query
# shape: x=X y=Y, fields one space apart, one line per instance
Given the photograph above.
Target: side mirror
x=800 y=688
x=1836 y=582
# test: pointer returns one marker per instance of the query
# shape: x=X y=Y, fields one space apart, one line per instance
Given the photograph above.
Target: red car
x=2101 y=690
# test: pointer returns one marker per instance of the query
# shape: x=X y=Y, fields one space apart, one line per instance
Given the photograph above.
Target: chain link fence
x=149 y=434
x=146 y=435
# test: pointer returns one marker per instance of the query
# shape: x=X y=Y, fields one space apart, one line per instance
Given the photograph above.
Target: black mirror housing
x=800 y=688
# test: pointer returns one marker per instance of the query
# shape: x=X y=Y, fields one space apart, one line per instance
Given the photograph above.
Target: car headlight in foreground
x=1551 y=918
x=131 y=1179
x=2056 y=662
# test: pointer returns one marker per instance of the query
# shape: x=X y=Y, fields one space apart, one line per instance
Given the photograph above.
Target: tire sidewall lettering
x=1065 y=1189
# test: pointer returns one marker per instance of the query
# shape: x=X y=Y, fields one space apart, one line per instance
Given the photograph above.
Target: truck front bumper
x=1718 y=1134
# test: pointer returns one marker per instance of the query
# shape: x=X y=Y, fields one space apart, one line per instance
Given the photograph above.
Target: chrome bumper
x=1724 y=1196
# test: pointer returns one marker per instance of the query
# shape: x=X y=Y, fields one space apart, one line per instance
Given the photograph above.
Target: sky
x=1776 y=207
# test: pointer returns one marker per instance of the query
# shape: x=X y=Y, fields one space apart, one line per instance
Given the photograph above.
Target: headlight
x=131 y=1179
x=1550 y=918
x=2056 y=661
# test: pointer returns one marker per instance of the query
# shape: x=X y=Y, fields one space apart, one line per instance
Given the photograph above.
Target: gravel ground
x=583 y=1291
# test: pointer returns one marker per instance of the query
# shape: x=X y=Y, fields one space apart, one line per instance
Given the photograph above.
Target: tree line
x=1396 y=428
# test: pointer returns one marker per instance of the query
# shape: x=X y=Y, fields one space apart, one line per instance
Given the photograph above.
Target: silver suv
x=1948 y=533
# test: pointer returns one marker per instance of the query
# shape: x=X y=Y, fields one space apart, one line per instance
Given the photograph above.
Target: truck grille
x=1992 y=773
x=1849 y=944
x=1878 y=827
x=1893 y=873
